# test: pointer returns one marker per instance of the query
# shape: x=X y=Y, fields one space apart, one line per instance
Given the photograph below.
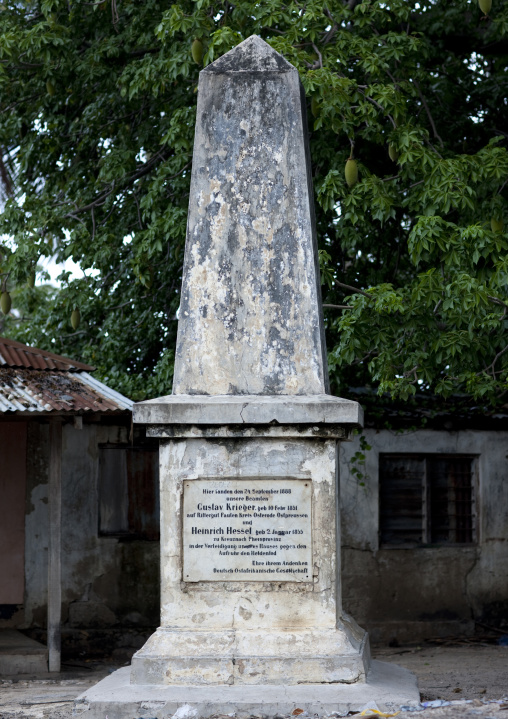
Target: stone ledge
x=249 y=410
x=241 y=431
x=389 y=685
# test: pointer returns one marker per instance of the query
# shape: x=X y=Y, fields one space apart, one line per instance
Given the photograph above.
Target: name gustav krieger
x=231 y=507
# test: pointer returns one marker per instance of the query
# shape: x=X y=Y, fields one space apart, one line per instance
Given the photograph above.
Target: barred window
x=427 y=499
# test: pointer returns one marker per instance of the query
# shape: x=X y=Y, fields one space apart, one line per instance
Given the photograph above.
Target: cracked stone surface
x=248 y=410
x=250 y=320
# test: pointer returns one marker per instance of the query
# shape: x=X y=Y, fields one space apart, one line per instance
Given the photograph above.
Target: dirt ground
x=454 y=672
x=445 y=672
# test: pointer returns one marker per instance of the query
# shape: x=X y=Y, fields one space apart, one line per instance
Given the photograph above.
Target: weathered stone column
x=249 y=426
x=250 y=319
x=251 y=615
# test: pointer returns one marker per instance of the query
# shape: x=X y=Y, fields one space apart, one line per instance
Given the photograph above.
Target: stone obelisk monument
x=251 y=615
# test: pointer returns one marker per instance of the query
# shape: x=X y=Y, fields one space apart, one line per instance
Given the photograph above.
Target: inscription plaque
x=247 y=530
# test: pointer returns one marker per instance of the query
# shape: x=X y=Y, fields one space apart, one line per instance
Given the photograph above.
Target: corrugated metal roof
x=35 y=390
x=33 y=380
x=110 y=394
x=15 y=354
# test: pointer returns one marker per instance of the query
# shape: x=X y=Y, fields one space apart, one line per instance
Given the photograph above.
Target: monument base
x=256 y=657
x=389 y=685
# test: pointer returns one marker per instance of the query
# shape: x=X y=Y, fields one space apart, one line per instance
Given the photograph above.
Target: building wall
x=412 y=594
x=110 y=586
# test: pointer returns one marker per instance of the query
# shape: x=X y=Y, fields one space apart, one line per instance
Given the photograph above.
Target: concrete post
x=55 y=528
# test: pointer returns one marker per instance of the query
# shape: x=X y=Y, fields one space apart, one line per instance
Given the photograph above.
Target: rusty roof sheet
x=15 y=354
x=40 y=391
x=33 y=380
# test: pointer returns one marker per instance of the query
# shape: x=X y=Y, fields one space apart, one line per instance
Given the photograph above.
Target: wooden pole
x=55 y=523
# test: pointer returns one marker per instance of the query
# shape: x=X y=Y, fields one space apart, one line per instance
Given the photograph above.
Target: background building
x=425 y=522
x=69 y=459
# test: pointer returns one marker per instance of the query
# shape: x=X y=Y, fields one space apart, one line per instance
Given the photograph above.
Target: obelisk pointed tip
x=251 y=55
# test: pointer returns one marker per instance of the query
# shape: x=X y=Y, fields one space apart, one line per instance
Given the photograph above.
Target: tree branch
x=502 y=186
x=338 y=307
x=362 y=359
x=320 y=57
x=5 y=178
x=143 y=170
x=20 y=102
x=332 y=31
x=412 y=371
x=427 y=110
x=491 y=366
x=129 y=302
x=497 y=301
x=139 y=213
x=353 y=289
x=376 y=103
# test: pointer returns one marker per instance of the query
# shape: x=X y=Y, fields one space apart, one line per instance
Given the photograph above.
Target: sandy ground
x=452 y=673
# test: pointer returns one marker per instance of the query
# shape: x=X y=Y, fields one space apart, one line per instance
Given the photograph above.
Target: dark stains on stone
x=251 y=53
x=232 y=242
x=251 y=253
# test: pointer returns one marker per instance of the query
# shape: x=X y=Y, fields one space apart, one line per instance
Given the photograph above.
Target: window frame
x=426 y=522
x=129 y=534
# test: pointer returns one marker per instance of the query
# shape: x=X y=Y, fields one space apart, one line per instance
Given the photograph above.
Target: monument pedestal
x=250 y=543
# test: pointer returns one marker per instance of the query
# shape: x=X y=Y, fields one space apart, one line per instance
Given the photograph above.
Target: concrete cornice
x=249 y=410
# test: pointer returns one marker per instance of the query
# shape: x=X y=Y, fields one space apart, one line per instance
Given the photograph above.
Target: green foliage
x=97 y=108
x=358 y=460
